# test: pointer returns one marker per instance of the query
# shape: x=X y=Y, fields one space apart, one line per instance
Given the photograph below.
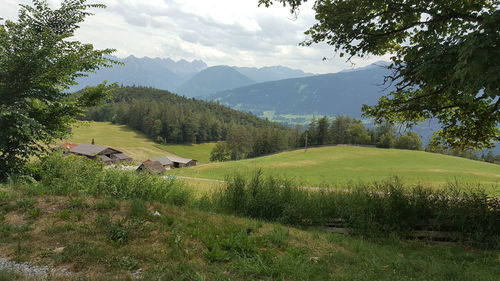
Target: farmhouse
x=170 y=162
x=97 y=152
x=152 y=167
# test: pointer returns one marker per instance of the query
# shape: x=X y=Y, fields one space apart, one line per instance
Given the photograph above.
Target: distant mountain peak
x=271 y=73
x=377 y=64
x=214 y=79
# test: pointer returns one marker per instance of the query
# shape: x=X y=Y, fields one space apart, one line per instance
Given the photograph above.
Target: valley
x=329 y=166
x=263 y=140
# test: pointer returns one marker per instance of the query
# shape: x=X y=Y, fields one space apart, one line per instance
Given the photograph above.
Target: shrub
x=60 y=174
x=379 y=209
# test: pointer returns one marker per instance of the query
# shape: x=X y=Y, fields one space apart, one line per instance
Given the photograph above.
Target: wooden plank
x=430 y=234
x=339 y=230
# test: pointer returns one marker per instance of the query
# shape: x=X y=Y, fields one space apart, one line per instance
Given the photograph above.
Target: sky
x=219 y=32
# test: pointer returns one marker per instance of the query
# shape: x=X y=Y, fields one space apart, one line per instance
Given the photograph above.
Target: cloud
x=216 y=31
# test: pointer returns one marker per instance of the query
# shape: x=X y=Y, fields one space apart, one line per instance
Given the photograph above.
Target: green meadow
x=200 y=151
x=338 y=165
x=135 y=144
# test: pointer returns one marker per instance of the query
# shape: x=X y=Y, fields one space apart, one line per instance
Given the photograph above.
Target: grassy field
x=338 y=165
x=110 y=239
x=200 y=152
x=135 y=144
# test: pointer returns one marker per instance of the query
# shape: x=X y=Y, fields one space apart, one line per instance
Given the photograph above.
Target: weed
x=118 y=232
x=77 y=203
x=106 y=204
x=125 y=262
x=138 y=208
x=4 y=196
x=82 y=252
x=58 y=229
x=9 y=276
x=25 y=204
x=278 y=237
x=382 y=209
x=34 y=213
x=76 y=175
x=70 y=214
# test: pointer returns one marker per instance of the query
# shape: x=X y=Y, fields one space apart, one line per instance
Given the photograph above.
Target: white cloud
x=232 y=32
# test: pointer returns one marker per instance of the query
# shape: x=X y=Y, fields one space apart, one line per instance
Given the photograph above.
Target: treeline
x=169 y=118
x=348 y=130
x=436 y=146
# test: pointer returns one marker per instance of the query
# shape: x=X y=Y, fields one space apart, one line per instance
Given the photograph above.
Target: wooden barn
x=164 y=161
x=152 y=167
x=171 y=162
x=105 y=154
x=179 y=162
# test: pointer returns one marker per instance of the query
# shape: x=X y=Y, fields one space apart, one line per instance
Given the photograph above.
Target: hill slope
x=135 y=144
x=328 y=94
x=214 y=79
x=340 y=164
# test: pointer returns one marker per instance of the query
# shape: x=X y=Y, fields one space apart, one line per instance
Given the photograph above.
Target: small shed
x=179 y=162
x=152 y=167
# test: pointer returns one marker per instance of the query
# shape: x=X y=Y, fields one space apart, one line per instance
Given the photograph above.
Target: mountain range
x=191 y=79
x=327 y=94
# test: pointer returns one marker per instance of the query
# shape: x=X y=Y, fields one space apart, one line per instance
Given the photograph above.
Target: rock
x=314 y=259
x=137 y=274
x=58 y=250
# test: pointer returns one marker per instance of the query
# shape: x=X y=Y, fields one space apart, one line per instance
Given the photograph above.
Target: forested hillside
x=341 y=93
x=212 y=80
x=170 y=118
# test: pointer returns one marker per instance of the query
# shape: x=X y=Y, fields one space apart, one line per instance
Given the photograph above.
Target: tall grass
x=63 y=175
x=380 y=209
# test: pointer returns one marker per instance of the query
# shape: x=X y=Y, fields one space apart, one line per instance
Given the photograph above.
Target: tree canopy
x=445 y=59
x=38 y=62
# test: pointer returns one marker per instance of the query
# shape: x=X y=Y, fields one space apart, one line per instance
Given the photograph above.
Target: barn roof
x=121 y=156
x=179 y=159
x=89 y=149
x=68 y=145
x=154 y=167
x=163 y=160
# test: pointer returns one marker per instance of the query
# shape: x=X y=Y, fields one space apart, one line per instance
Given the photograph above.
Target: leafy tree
x=358 y=134
x=386 y=140
x=384 y=128
x=221 y=152
x=410 y=140
x=37 y=64
x=339 y=129
x=322 y=136
x=445 y=59
x=489 y=157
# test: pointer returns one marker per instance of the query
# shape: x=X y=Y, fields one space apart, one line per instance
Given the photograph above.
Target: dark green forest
x=170 y=118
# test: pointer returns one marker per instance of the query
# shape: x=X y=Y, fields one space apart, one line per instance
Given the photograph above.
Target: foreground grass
x=337 y=165
x=135 y=144
x=107 y=239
